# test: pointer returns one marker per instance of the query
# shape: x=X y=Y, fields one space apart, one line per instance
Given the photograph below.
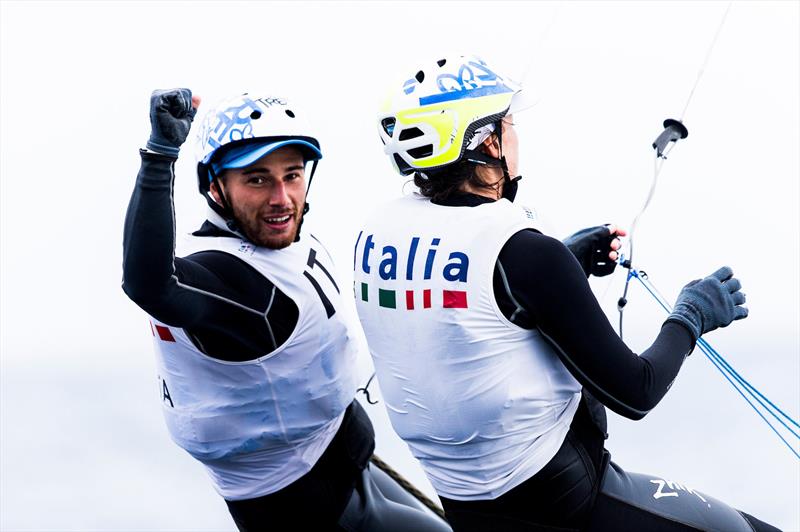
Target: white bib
x=482 y=403
x=260 y=425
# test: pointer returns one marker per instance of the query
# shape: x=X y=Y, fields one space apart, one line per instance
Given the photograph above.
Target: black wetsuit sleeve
x=228 y=309
x=541 y=284
x=148 y=263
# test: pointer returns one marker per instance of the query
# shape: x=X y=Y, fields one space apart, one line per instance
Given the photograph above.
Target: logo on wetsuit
x=673 y=486
x=393 y=257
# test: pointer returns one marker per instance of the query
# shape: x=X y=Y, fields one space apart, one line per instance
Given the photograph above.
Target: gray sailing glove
x=171 y=115
x=707 y=304
x=591 y=247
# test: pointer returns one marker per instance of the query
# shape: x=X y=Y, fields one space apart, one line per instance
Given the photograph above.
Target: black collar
x=463 y=199
x=209 y=229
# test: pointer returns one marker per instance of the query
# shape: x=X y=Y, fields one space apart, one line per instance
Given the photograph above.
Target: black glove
x=171 y=115
x=710 y=303
x=591 y=247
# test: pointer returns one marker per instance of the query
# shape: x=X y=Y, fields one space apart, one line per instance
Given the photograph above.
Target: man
x=256 y=364
x=488 y=343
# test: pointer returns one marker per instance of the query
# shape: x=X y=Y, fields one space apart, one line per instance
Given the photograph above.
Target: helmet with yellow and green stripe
x=444 y=111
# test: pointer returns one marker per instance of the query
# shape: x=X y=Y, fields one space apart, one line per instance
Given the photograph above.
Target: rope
x=659 y=163
x=628 y=261
x=406 y=485
x=730 y=374
x=705 y=61
x=723 y=365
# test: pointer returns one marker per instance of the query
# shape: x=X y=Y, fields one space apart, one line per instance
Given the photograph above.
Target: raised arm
x=148 y=261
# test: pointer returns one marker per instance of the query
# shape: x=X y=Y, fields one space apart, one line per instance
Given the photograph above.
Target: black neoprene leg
x=632 y=501
x=557 y=498
x=758 y=525
x=371 y=509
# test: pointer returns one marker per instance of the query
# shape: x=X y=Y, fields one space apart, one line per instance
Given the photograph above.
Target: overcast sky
x=82 y=442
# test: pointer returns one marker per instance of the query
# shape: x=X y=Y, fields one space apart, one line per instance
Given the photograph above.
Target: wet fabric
x=481 y=402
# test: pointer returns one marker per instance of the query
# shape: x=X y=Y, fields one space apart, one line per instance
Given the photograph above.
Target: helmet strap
x=479 y=157
x=306 y=205
x=510 y=185
x=225 y=210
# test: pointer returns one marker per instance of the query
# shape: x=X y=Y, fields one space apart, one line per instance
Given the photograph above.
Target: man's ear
x=215 y=191
x=491 y=146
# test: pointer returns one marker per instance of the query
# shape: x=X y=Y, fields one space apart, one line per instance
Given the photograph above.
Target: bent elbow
x=637 y=415
x=632 y=412
x=144 y=295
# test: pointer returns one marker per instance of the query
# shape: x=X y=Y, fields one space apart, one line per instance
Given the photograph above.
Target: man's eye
x=292 y=176
x=256 y=180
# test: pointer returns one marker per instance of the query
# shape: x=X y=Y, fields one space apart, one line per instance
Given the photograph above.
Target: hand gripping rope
x=739 y=383
x=674 y=130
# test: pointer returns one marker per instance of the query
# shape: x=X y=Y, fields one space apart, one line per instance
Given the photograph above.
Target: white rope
x=708 y=56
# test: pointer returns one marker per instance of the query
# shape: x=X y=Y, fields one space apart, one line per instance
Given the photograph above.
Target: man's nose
x=278 y=194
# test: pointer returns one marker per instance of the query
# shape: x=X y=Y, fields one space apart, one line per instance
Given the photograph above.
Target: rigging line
x=678 y=131
x=650 y=287
x=703 y=347
x=708 y=56
x=627 y=262
x=683 y=114
x=624 y=299
x=658 y=165
x=406 y=485
x=727 y=377
x=727 y=369
x=746 y=387
x=752 y=390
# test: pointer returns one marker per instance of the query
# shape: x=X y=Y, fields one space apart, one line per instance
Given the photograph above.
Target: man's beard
x=258 y=232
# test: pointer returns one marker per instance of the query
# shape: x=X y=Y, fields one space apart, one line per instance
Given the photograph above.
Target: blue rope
x=727 y=371
x=711 y=352
x=744 y=382
x=721 y=370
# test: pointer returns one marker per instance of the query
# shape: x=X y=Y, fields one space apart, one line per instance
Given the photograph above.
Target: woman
x=487 y=341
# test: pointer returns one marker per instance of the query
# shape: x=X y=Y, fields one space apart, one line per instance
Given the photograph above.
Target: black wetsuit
x=579 y=488
x=231 y=312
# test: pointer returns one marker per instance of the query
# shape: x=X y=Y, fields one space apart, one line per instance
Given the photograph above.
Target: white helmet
x=242 y=129
x=446 y=108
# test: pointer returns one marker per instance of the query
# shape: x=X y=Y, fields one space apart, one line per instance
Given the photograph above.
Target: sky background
x=82 y=442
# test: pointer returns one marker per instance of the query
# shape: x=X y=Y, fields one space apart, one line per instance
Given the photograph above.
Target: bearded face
x=267 y=197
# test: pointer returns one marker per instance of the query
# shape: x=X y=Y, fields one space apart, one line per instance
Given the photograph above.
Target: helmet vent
x=403 y=166
x=441 y=62
x=410 y=133
x=422 y=151
x=420 y=77
x=290 y=113
x=255 y=115
x=388 y=125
